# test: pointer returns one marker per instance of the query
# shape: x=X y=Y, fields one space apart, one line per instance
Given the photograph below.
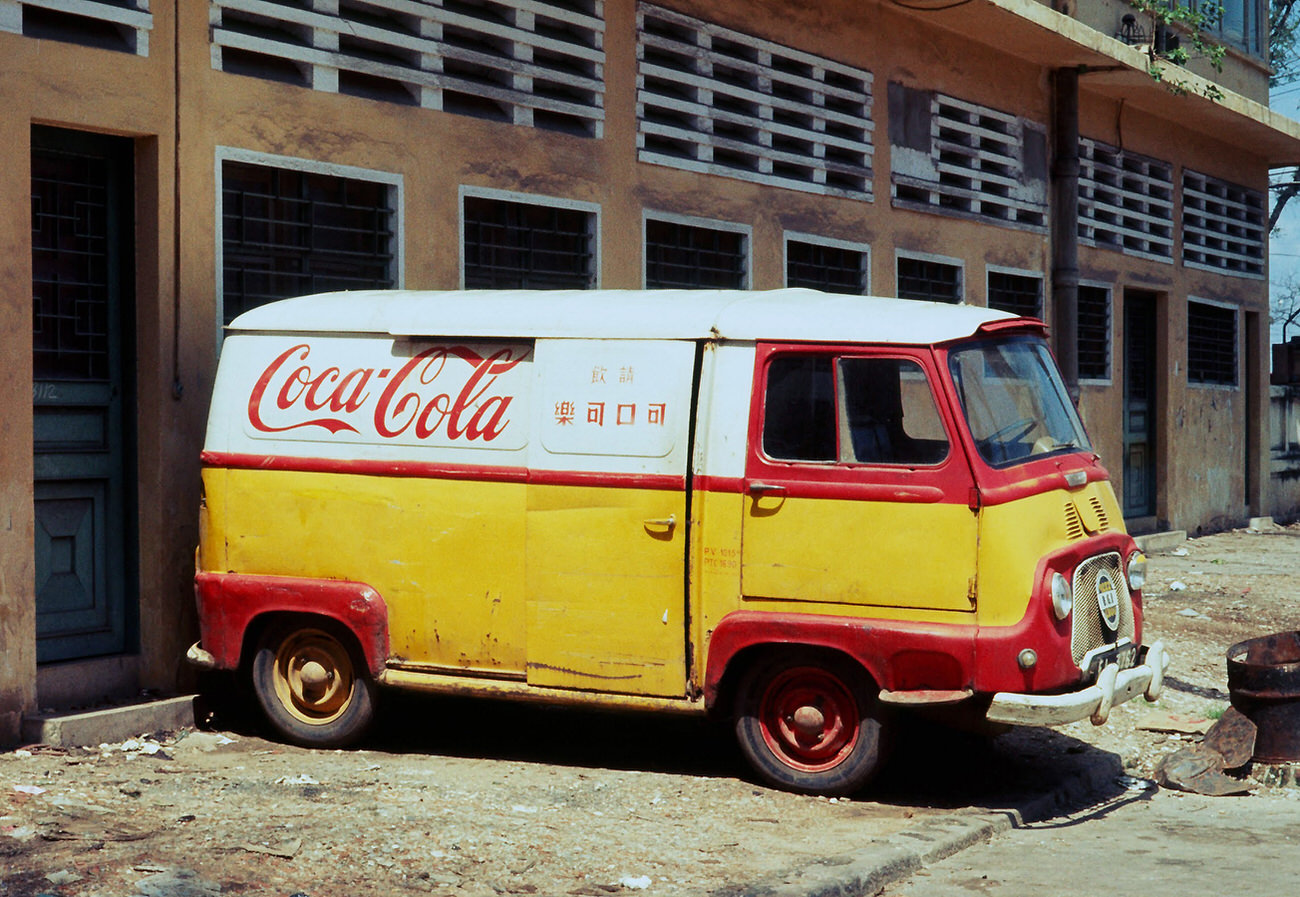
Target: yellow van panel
x=606 y=589
x=437 y=550
x=1015 y=536
x=864 y=553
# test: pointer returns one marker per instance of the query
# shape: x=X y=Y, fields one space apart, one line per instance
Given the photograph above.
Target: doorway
x=1141 y=370
x=83 y=394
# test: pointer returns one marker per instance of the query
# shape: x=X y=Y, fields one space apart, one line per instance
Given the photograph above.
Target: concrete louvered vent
x=526 y=62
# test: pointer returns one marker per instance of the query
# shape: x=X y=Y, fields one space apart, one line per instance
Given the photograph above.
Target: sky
x=1284 y=244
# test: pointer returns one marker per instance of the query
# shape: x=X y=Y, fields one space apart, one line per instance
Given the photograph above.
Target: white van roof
x=787 y=315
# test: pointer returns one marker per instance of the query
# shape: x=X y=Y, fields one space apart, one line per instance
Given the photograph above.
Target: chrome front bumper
x=1113 y=687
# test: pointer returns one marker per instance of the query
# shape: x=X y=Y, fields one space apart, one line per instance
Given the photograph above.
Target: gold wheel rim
x=313 y=677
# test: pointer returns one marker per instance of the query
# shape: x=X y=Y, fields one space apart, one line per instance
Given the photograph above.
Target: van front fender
x=899 y=656
x=228 y=603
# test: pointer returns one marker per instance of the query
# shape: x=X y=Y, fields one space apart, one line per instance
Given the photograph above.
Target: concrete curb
x=1168 y=541
x=111 y=724
x=867 y=871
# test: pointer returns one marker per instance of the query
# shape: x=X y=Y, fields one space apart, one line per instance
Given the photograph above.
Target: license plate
x=1123 y=656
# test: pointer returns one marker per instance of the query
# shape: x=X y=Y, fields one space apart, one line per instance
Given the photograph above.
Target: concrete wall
x=1284 y=460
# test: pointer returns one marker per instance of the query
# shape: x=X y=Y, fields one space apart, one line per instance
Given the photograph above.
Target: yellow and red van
x=803 y=511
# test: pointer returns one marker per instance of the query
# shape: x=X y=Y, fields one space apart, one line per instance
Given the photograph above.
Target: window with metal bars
x=689 y=256
x=290 y=233
x=1020 y=294
x=1094 y=333
x=819 y=266
x=1211 y=344
x=929 y=280
x=519 y=245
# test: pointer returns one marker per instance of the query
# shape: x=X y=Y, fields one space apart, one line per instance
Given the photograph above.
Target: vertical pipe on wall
x=178 y=385
x=1065 y=225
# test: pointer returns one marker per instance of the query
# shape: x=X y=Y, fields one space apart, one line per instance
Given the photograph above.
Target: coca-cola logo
x=445 y=393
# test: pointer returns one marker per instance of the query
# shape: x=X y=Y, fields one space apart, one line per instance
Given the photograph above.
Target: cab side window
x=851 y=410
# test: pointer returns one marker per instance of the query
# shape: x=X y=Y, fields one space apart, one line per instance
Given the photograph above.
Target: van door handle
x=670 y=521
x=766 y=489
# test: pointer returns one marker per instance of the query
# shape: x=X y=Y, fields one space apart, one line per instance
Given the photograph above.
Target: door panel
x=856 y=492
x=858 y=551
x=81 y=261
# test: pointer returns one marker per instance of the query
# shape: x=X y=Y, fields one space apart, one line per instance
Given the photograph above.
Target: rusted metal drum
x=1264 y=684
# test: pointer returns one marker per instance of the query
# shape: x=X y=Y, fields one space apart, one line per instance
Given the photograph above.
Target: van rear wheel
x=810 y=723
x=310 y=686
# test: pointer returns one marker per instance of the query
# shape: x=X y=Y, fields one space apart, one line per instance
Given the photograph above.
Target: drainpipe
x=1065 y=226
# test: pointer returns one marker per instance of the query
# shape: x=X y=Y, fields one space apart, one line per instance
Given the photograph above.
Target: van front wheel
x=810 y=723
x=310 y=686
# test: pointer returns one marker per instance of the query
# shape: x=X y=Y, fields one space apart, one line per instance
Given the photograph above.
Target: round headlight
x=1137 y=571
x=1062 y=596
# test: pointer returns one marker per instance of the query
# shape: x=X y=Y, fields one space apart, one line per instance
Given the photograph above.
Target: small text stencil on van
x=417 y=394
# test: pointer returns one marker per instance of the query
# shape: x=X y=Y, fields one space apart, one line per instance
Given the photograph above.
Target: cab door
x=856 y=492
x=606 y=525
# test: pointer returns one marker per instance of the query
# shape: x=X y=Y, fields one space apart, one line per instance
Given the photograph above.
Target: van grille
x=1090 y=632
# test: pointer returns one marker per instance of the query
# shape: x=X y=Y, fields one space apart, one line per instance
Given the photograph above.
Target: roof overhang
x=1110 y=68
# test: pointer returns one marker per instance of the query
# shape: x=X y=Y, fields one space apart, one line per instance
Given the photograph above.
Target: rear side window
x=799 y=421
x=851 y=410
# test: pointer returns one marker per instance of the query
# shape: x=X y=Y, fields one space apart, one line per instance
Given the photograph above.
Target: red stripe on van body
x=427 y=470
x=228 y=603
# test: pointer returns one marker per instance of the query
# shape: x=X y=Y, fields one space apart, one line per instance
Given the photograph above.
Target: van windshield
x=1014 y=400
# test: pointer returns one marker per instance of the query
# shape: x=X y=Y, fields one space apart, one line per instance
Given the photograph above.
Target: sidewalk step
x=111 y=724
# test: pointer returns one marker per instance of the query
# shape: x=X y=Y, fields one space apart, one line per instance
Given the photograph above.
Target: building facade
x=173 y=164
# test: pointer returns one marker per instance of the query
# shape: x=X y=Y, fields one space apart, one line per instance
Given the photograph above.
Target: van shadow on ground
x=930 y=765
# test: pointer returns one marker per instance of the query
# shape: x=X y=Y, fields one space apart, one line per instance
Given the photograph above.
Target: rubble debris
x=1198 y=769
x=1233 y=738
x=1174 y=723
x=285 y=849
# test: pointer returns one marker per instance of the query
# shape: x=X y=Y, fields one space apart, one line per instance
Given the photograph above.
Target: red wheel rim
x=810 y=721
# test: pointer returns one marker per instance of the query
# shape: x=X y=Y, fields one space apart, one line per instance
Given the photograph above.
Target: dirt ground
x=466 y=799
x=1201 y=598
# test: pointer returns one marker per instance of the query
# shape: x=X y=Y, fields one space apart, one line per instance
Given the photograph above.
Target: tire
x=311 y=686
x=810 y=723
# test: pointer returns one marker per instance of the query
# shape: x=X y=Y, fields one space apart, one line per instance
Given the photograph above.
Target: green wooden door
x=82 y=259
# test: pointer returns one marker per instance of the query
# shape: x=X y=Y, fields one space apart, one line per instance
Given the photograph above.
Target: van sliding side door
x=606 y=521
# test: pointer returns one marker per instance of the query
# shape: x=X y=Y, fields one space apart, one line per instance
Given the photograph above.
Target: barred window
x=831 y=267
x=929 y=280
x=1020 y=294
x=1211 y=344
x=1094 y=333
x=679 y=255
x=520 y=245
x=289 y=233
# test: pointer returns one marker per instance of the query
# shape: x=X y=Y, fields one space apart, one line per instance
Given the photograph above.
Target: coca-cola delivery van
x=803 y=512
